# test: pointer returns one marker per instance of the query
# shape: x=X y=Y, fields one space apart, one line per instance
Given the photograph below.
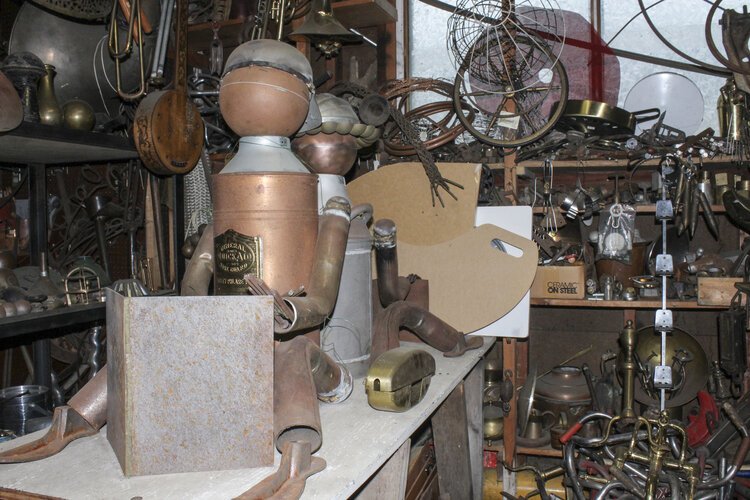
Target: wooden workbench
x=357 y=442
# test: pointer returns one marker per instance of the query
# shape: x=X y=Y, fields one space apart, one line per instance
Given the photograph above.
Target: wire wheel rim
x=460 y=95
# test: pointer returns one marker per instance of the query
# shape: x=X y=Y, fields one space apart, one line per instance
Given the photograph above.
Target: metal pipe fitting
x=431 y=329
x=311 y=310
x=628 y=370
x=200 y=269
x=391 y=287
x=302 y=375
x=612 y=485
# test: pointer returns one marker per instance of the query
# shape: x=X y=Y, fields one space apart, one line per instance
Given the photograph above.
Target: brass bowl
x=327 y=153
x=493 y=422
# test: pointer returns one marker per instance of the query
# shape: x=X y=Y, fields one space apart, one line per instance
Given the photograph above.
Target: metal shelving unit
x=37 y=146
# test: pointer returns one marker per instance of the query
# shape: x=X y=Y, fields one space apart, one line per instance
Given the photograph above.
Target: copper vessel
x=264 y=224
x=327 y=153
x=50 y=112
x=259 y=100
x=563 y=391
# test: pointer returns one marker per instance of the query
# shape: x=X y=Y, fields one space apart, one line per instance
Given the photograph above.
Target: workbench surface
x=357 y=441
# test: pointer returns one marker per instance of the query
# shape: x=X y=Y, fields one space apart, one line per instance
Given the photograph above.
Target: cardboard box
x=716 y=291
x=559 y=282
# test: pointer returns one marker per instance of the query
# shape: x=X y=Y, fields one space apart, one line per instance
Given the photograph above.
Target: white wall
x=681 y=21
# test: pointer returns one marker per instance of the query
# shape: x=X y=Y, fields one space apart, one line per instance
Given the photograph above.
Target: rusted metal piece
x=311 y=310
x=11 y=494
x=391 y=287
x=302 y=375
x=85 y=414
x=428 y=327
x=288 y=482
x=177 y=364
x=200 y=269
x=265 y=225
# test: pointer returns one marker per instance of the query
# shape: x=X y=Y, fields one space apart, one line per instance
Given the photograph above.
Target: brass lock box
x=399 y=379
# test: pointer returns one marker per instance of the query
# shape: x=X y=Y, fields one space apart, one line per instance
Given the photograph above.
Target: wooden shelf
x=604 y=164
x=622 y=304
x=351 y=13
x=544 y=451
x=642 y=209
x=364 y=13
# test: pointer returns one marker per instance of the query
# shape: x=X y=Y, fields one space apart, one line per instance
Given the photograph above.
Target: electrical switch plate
x=664 y=210
x=662 y=377
x=664 y=264
x=663 y=320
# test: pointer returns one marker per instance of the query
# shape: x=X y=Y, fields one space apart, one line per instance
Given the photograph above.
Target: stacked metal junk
x=283 y=228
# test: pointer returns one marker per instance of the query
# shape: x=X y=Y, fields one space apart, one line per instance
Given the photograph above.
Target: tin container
x=22 y=406
x=265 y=224
x=349 y=331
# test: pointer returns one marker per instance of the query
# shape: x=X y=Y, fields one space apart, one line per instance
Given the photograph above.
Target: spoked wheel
x=517 y=87
x=435 y=122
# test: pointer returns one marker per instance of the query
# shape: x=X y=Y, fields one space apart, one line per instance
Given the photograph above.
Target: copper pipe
x=312 y=309
x=200 y=269
x=431 y=329
x=91 y=401
x=302 y=375
x=391 y=287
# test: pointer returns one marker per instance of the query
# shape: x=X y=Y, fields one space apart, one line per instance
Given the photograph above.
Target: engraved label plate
x=236 y=255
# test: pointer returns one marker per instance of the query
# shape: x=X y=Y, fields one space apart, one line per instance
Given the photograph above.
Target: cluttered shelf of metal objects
x=635 y=206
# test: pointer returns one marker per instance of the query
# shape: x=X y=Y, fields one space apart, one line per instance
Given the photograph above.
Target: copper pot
x=260 y=100
x=264 y=224
x=563 y=391
x=327 y=153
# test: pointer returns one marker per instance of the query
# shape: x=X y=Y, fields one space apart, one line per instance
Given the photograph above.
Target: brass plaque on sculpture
x=399 y=379
x=236 y=255
x=475 y=278
x=401 y=192
x=190 y=383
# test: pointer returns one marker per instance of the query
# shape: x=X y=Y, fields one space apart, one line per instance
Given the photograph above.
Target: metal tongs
x=84 y=415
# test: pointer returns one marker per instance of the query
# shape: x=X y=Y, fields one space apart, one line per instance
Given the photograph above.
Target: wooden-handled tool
x=168 y=129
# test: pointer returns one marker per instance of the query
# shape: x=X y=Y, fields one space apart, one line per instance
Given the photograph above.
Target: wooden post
x=450 y=432
x=390 y=480
x=473 y=389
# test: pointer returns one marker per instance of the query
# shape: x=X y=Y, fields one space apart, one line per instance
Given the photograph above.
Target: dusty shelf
x=622 y=304
x=643 y=209
x=600 y=163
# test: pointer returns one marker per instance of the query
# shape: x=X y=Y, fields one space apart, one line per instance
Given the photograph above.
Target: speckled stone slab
x=190 y=383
